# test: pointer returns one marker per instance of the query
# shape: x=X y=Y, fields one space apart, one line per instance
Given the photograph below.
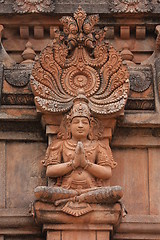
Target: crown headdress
x=80 y=106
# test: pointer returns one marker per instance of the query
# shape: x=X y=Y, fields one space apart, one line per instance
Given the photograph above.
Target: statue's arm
x=103 y=172
x=104 y=163
x=53 y=161
x=97 y=170
x=59 y=170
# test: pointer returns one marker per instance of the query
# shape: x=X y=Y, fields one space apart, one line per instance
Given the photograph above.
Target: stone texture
x=135 y=143
x=24 y=172
x=2 y=173
x=154 y=189
x=132 y=174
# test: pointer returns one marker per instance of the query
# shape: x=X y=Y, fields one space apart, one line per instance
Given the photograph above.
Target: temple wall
x=136 y=139
x=136 y=151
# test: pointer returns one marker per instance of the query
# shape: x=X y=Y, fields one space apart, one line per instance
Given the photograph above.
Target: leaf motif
x=43 y=76
x=52 y=106
x=100 y=56
x=115 y=96
x=110 y=107
x=113 y=92
x=45 y=92
x=50 y=65
x=60 y=54
x=108 y=69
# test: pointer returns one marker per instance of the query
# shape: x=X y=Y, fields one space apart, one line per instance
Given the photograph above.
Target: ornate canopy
x=79 y=57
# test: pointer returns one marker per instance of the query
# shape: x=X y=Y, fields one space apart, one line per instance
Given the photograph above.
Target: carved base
x=102 y=214
x=59 y=225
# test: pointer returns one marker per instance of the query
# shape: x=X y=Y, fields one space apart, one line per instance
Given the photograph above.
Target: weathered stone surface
x=48 y=214
x=91 y=6
x=18 y=76
x=1 y=80
x=24 y=172
x=154 y=168
x=132 y=174
x=2 y=173
x=30 y=6
x=136 y=140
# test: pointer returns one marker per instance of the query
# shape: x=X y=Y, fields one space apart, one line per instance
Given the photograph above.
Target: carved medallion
x=33 y=6
x=130 y=6
x=17 y=76
x=80 y=58
x=140 y=78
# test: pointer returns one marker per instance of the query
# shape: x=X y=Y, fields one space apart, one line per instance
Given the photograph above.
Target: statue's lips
x=80 y=131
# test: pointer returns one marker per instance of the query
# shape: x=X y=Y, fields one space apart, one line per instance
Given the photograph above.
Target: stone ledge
x=140 y=119
x=139 y=227
x=15 y=221
x=16 y=113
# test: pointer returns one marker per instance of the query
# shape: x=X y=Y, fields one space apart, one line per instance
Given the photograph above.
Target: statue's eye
x=85 y=122
x=75 y=121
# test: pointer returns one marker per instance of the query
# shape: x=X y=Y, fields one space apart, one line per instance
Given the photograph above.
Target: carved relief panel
x=36 y=6
x=81 y=76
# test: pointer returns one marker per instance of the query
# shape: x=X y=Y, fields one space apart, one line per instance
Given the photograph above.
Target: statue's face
x=80 y=128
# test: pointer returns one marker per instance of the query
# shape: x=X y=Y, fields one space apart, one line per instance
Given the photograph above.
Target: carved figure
x=79 y=58
x=81 y=164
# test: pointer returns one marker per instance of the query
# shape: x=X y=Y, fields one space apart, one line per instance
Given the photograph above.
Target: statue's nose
x=80 y=124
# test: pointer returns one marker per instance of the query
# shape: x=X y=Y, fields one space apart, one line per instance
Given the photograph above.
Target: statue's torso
x=79 y=178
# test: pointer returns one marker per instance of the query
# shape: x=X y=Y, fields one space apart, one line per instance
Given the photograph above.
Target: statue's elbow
x=108 y=173
x=49 y=171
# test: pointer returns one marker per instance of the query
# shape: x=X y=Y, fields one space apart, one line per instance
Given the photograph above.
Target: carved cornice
x=36 y=6
x=17 y=99
x=140 y=104
x=131 y=6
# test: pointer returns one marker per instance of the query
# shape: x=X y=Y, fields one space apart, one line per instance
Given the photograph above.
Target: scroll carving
x=131 y=6
x=36 y=6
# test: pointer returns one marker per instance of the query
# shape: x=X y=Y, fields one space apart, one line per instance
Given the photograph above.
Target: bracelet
x=70 y=164
x=74 y=168
x=88 y=164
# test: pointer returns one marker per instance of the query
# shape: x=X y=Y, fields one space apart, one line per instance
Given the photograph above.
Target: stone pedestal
x=95 y=225
x=78 y=231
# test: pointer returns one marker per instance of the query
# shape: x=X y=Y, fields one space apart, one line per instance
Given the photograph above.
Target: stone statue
x=79 y=72
x=80 y=164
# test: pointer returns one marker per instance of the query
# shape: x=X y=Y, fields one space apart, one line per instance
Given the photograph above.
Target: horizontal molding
x=17 y=222
x=140 y=137
x=135 y=141
x=24 y=136
x=16 y=113
x=137 y=118
x=139 y=227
